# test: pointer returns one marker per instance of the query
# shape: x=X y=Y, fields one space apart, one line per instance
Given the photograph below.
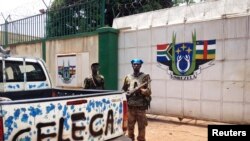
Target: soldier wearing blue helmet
x=136 y=61
x=138 y=101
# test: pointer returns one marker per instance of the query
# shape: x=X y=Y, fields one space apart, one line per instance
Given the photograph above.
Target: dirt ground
x=163 y=128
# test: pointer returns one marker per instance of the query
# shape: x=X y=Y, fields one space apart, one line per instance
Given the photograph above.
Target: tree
x=120 y=8
x=178 y=2
x=66 y=17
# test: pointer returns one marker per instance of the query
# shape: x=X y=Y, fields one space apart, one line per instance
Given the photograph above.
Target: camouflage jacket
x=94 y=82
x=139 y=98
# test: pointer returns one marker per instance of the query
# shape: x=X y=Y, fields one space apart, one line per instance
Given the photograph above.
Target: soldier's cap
x=136 y=61
x=94 y=64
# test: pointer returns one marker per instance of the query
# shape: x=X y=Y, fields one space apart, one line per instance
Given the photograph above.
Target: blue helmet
x=136 y=61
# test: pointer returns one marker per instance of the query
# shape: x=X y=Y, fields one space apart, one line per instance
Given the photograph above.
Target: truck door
x=35 y=77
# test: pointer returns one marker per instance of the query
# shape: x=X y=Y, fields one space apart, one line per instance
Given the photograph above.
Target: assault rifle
x=138 y=87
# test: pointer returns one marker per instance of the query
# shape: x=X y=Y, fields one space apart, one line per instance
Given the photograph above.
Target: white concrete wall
x=222 y=91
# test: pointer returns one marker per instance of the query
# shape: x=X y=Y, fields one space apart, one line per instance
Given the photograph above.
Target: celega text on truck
x=31 y=110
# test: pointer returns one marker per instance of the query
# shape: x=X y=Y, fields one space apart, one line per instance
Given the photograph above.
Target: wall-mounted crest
x=66 y=70
x=185 y=59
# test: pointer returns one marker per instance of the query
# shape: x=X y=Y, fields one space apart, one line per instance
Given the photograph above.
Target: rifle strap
x=92 y=77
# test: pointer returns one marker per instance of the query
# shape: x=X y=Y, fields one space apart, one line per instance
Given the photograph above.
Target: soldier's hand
x=143 y=91
x=128 y=93
x=138 y=91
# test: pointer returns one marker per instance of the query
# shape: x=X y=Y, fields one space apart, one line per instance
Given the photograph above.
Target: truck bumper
x=121 y=138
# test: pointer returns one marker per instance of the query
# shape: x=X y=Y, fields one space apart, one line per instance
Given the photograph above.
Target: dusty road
x=162 y=128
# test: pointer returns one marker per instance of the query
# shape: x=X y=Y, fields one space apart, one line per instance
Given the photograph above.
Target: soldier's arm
x=102 y=83
x=125 y=84
x=146 y=90
x=86 y=83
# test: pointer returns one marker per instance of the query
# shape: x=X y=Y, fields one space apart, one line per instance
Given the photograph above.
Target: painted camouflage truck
x=30 y=110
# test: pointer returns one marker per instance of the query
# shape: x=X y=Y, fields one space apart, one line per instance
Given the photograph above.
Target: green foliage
x=120 y=8
x=178 y=2
x=67 y=17
x=77 y=16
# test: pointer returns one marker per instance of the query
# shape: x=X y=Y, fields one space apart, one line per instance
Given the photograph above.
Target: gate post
x=108 y=56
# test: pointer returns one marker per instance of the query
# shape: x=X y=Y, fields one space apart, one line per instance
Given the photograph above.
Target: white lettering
x=221 y=133
x=215 y=132
x=235 y=133
x=244 y=133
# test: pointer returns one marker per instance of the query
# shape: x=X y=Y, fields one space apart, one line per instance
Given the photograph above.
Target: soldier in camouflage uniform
x=95 y=80
x=137 y=102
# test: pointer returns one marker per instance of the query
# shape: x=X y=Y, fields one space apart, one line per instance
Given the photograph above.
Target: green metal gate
x=74 y=19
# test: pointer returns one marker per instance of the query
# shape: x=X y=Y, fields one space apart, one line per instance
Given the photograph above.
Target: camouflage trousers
x=139 y=116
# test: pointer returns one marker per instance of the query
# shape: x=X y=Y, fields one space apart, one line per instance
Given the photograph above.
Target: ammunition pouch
x=139 y=101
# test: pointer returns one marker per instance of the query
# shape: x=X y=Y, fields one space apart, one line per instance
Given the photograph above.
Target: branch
x=45 y=4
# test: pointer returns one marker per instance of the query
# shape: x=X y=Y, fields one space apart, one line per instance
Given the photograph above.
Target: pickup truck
x=31 y=110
